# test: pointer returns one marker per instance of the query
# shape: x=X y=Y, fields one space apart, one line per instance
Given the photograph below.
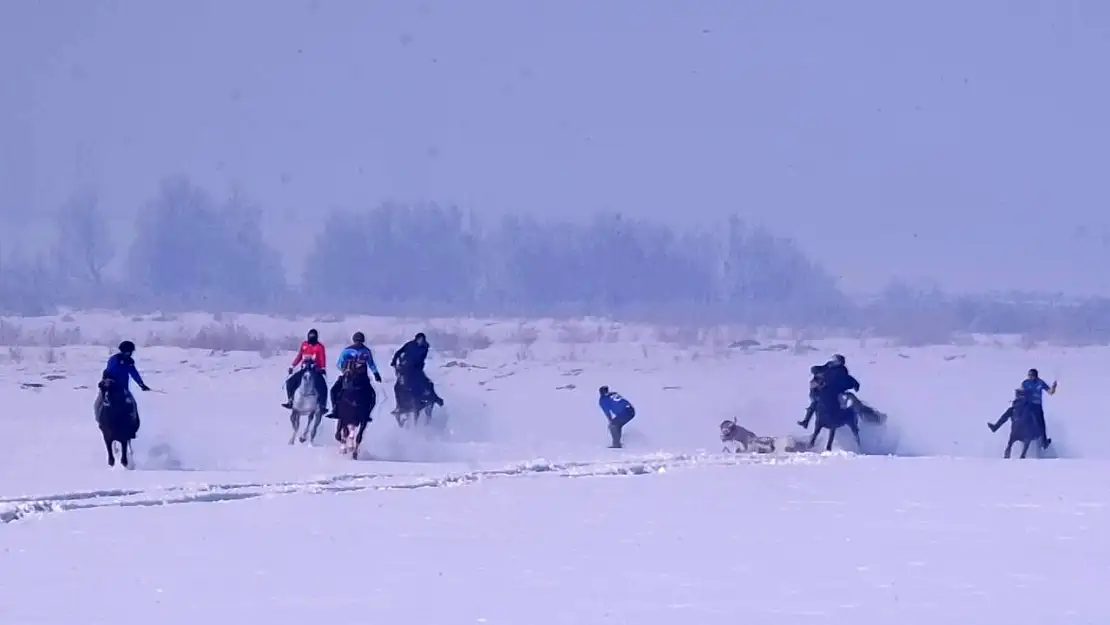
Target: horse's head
x=308 y=367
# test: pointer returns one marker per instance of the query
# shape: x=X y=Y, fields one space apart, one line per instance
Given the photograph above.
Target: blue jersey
x=358 y=353
x=1034 y=389
x=614 y=405
x=121 y=370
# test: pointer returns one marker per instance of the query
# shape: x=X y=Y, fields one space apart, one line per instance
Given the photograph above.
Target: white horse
x=306 y=402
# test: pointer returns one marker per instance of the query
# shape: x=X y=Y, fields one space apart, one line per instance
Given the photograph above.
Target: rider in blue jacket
x=1034 y=388
x=356 y=351
x=119 y=372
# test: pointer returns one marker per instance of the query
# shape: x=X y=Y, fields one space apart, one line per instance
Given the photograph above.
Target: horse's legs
x=295 y=421
x=832 y=437
x=1009 y=447
x=358 y=438
x=307 y=425
x=853 y=425
x=123 y=453
x=1025 y=448
x=108 y=446
x=817 y=427
x=319 y=416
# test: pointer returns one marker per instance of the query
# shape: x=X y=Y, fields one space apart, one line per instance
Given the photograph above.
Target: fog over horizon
x=955 y=145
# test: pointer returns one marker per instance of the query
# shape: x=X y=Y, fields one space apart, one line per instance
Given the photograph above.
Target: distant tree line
x=195 y=251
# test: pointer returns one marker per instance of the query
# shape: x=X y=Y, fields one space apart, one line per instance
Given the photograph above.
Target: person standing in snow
x=618 y=411
x=1034 y=388
x=311 y=349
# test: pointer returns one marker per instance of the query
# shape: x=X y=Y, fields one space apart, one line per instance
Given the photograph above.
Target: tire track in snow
x=18 y=508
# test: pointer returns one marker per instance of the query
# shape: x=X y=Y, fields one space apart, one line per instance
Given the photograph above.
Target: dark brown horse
x=356 y=401
x=117 y=416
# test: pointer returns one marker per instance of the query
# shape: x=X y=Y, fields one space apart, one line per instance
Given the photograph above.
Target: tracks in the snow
x=18 y=508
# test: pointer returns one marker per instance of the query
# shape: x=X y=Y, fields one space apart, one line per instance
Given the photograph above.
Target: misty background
x=899 y=167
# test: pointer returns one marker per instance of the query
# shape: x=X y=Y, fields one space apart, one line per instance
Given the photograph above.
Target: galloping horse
x=306 y=402
x=832 y=413
x=118 y=420
x=415 y=395
x=1023 y=425
x=356 y=401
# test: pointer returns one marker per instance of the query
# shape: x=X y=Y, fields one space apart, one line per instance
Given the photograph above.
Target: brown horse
x=356 y=401
x=117 y=416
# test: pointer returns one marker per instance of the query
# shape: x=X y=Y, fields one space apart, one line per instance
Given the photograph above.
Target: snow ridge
x=19 y=508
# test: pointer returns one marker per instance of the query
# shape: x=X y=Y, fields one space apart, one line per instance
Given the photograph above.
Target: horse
x=410 y=405
x=356 y=401
x=117 y=416
x=832 y=413
x=1023 y=427
x=306 y=402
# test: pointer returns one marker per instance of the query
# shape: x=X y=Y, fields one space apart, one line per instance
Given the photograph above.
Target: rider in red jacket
x=312 y=349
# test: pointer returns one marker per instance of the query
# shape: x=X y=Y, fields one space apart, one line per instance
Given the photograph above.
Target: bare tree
x=84 y=247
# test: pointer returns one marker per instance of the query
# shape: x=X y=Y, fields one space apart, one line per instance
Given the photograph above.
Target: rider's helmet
x=838 y=359
x=313 y=336
x=604 y=390
x=420 y=338
x=1033 y=374
x=358 y=338
x=127 y=347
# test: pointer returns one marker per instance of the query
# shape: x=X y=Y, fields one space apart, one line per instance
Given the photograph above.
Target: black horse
x=117 y=416
x=356 y=401
x=832 y=415
x=415 y=396
x=1023 y=425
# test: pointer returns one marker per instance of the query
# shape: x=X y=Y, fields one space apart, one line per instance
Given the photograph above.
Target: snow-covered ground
x=521 y=515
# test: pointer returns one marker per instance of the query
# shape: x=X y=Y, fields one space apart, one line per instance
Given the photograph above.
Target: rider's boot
x=809 y=415
x=289 y=390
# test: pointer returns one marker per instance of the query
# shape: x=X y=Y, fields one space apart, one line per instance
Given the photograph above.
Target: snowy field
x=519 y=514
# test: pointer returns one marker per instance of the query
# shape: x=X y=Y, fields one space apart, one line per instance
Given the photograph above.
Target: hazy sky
x=968 y=141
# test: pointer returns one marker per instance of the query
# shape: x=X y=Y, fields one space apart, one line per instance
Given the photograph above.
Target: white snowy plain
x=521 y=515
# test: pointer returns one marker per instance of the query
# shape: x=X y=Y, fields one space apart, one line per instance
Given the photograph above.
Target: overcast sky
x=962 y=140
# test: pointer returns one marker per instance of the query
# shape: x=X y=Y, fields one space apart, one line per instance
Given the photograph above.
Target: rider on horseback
x=408 y=362
x=311 y=349
x=835 y=381
x=1034 y=387
x=814 y=386
x=1014 y=410
x=118 y=374
x=358 y=353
